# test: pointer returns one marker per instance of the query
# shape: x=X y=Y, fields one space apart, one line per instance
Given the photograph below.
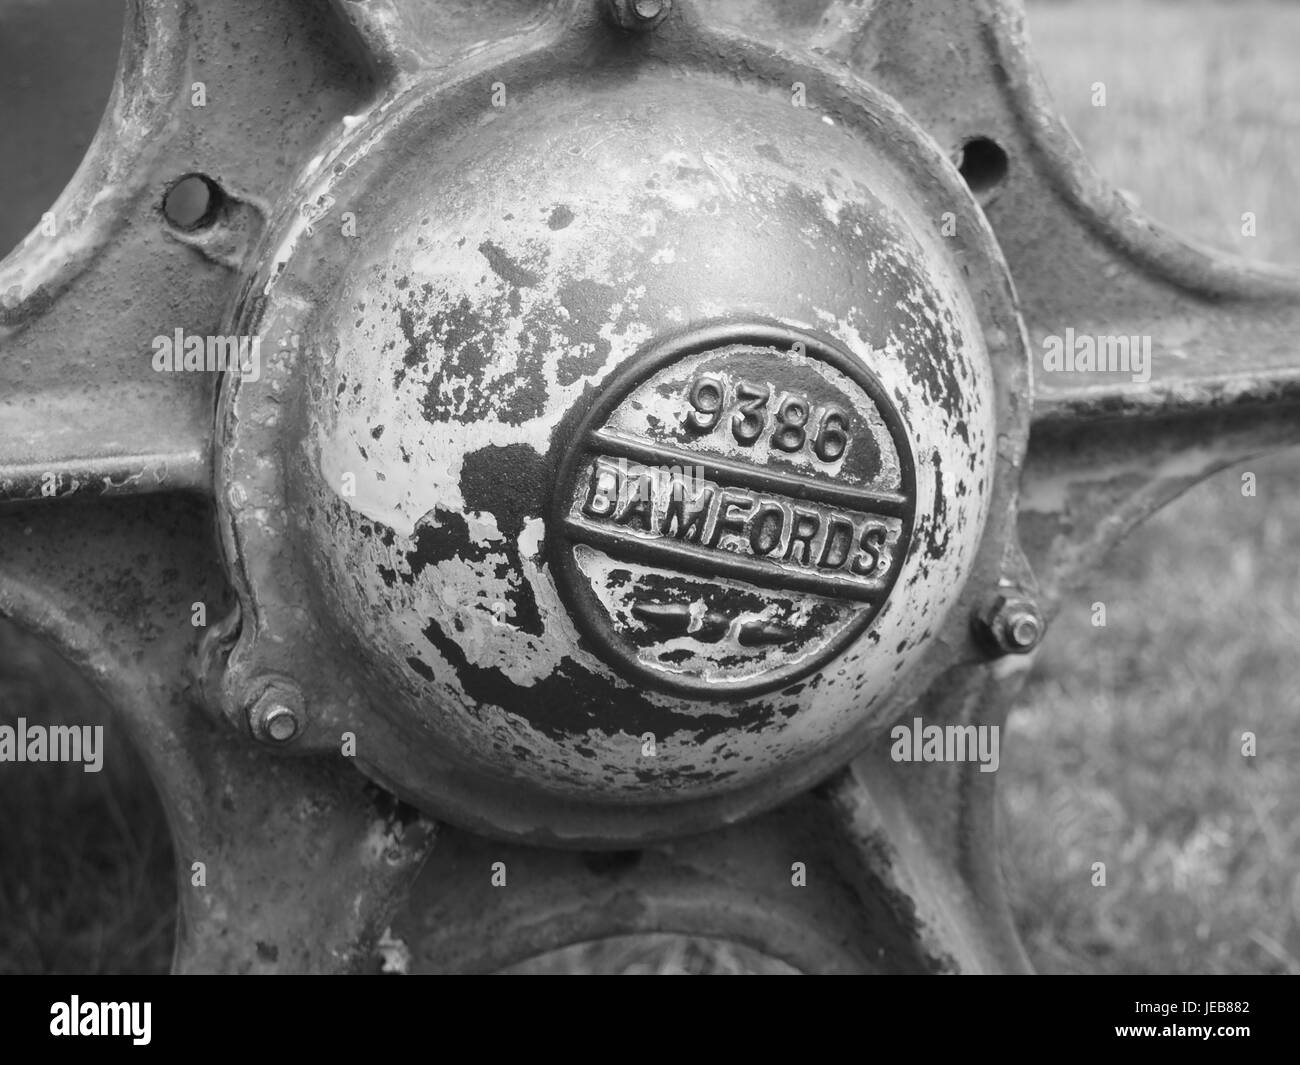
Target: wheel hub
x=651 y=431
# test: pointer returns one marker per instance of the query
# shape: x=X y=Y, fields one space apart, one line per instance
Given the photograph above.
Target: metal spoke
x=280 y=844
x=91 y=297
x=1109 y=445
x=1223 y=330
x=407 y=39
x=899 y=860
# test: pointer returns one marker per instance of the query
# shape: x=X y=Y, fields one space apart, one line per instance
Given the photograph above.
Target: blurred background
x=1126 y=745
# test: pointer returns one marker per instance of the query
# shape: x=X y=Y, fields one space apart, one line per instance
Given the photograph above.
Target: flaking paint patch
x=613 y=581
x=609 y=244
x=394 y=955
x=382 y=843
x=410 y=490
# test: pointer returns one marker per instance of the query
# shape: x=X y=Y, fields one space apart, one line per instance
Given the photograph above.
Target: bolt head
x=638 y=14
x=1012 y=623
x=276 y=715
x=1024 y=630
x=281 y=724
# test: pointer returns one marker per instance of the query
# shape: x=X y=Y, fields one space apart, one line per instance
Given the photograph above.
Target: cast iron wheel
x=283 y=719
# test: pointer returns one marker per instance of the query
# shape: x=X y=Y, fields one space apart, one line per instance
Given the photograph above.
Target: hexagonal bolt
x=276 y=716
x=1012 y=623
x=638 y=14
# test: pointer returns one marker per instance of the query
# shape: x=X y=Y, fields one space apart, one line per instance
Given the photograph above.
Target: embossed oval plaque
x=732 y=510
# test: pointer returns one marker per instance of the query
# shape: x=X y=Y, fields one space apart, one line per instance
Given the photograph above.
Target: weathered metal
x=638 y=15
x=513 y=320
x=615 y=435
x=1011 y=623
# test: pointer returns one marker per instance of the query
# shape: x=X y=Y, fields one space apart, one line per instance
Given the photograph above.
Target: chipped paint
x=515 y=273
x=478 y=327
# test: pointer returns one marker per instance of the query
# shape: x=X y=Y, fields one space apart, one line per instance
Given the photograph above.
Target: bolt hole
x=193 y=202
x=648 y=9
x=983 y=164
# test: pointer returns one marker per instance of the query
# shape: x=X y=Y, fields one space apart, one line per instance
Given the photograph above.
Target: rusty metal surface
x=881 y=869
x=303 y=862
x=498 y=303
x=1081 y=254
x=507 y=271
x=1224 y=374
x=82 y=306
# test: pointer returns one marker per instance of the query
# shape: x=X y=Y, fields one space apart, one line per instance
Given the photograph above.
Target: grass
x=1126 y=749
x=1126 y=745
x=1202 y=115
x=86 y=880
